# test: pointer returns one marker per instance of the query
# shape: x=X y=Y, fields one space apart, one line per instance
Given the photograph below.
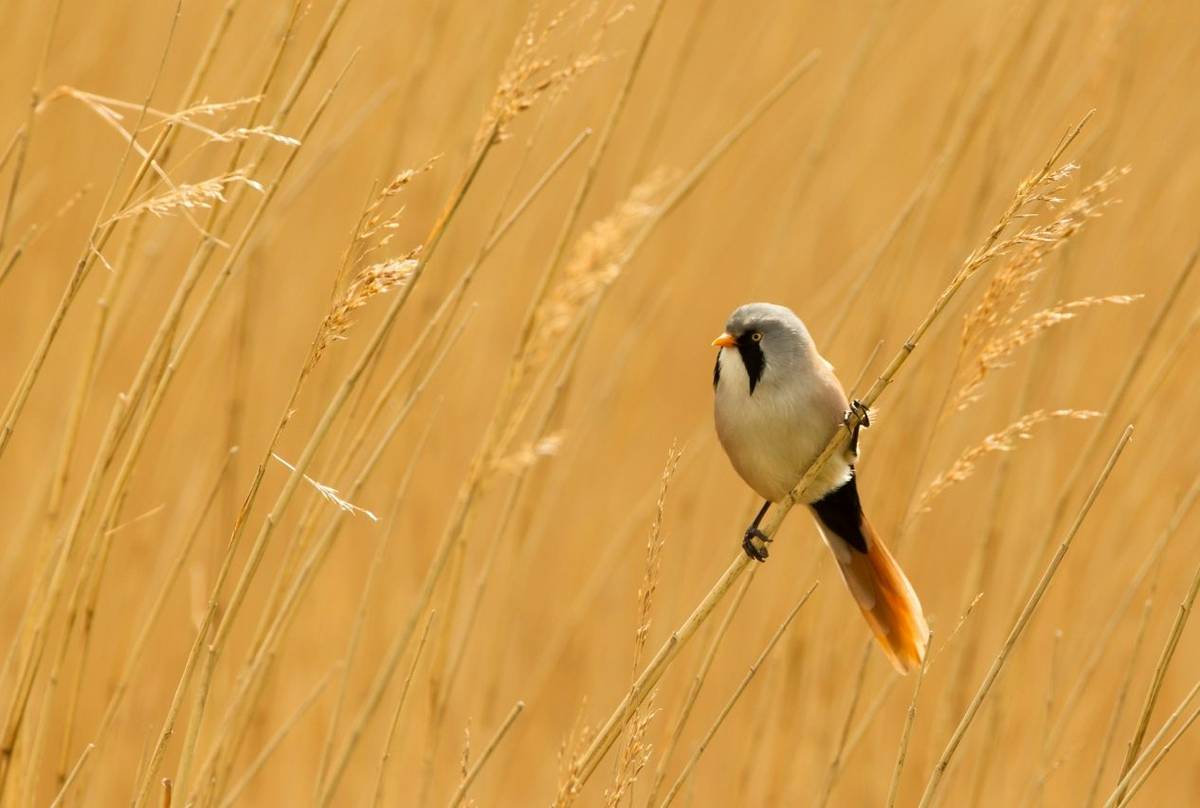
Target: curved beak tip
x=724 y=341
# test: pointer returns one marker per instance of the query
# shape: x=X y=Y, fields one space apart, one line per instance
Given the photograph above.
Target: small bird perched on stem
x=777 y=404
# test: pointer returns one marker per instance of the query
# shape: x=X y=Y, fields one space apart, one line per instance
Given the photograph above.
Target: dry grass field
x=357 y=448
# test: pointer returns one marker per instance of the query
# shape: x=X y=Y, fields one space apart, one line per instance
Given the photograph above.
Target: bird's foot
x=855 y=418
x=859 y=410
x=753 y=550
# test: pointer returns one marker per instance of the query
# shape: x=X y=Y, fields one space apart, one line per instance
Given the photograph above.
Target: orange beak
x=724 y=341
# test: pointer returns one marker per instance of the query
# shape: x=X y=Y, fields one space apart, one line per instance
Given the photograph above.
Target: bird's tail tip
x=894 y=612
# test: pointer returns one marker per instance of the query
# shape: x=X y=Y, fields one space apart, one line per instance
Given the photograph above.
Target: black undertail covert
x=841 y=512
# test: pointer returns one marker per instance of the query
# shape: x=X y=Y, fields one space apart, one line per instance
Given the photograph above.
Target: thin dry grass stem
x=1084 y=457
x=873 y=709
x=272 y=631
x=115 y=429
x=360 y=616
x=673 y=791
x=37 y=635
x=960 y=126
x=470 y=776
x=20 y=142
x=585 y=763
x=1152 y=563
x=1156 y=681
x=452 y=299
x=139 y=437
x=1120 y=794
x=1006 y=440
x=95 y=244
x=1118 y=707
x=268 y=748
x=910 y=718
x=835 y=763
x=689 y=700
x=36 y=230
x=337 y=402
x=501 y=531
x=1136 y=785
x=1048 y=763
x=980 y=568
x=153 y=612
x=184 y=342
x=1168 y=364
x=635 y=751
x=603 y=140
x=1018 y=627
x=69 y=780
x=390 y=737
x=340 y=398
x=668 y=89
x=855 y=737
x=790 y=207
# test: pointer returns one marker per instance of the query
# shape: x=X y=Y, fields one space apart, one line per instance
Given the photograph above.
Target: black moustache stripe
x=752 y=358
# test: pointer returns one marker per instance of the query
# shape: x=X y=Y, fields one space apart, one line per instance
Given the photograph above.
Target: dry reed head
x=991 y=332
x=190 y=196
x=373 y=234
x=594 y=264
x=1006 y=440
x=530 y=73
x=634 y=752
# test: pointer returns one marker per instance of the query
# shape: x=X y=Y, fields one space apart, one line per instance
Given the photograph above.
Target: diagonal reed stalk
x=1160 y=674
x=1019 y=625
x=675 y=788
x=461 y=794
x=906 y=734
x=689 y=700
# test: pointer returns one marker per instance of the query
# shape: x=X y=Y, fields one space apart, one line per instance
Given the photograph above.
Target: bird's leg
x=752 y=533
x=857 y=408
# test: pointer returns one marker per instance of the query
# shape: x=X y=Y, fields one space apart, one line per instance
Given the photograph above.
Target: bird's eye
x=756 y=336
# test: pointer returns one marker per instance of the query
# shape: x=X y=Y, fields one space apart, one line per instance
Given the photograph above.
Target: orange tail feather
x=882 y=592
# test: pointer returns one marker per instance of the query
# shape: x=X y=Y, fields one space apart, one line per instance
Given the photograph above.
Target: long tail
x=879 y=586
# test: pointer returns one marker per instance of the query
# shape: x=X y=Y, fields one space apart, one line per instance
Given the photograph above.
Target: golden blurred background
x=852 y=197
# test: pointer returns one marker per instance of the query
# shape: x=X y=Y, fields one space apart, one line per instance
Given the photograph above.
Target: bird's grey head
x=769 y=340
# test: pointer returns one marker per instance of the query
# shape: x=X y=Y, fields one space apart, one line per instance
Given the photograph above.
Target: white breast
x=774 y=435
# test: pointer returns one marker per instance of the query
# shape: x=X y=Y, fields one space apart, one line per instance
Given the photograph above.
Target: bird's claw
x=752 y=549
x=855 y=418
x=859 y=410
